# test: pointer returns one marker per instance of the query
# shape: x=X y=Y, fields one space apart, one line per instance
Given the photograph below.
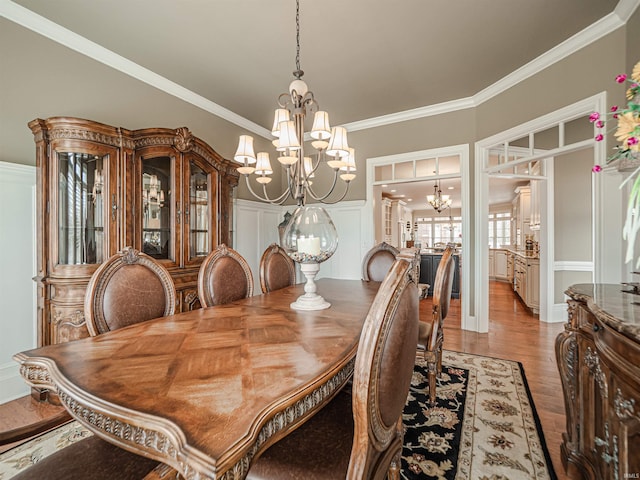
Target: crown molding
x=41 y=25
x=413 y=114
x=38 y=24
x=585 y=37
x=625 y=9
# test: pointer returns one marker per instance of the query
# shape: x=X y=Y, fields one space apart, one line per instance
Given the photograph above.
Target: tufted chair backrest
x=224 y=277
x=383 y=371
x=277 y=269
x=128 y=288
x=378 y=261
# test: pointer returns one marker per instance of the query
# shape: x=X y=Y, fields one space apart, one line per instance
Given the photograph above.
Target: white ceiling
x=363 y=59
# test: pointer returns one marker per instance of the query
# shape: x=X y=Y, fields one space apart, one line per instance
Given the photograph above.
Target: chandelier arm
x=276 y=201
x=344 y=194
x=321 y=198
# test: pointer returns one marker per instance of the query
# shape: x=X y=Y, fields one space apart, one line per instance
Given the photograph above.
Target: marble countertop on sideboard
x=612 y=304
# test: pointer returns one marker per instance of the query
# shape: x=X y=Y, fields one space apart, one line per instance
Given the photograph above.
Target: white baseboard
x=12 y=385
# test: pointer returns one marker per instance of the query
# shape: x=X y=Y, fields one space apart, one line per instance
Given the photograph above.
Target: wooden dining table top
x=205 y=391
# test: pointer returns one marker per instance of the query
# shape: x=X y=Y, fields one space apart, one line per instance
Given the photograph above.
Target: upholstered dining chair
x=359 y=435
x=431 y=334
x=277 y=269
x=129 y=287
x=224 y=277
x=377 y=261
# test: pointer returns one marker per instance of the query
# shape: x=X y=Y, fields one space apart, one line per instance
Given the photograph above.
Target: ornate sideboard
x=598 y=357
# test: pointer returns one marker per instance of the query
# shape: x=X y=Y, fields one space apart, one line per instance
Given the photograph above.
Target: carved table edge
x=159 y=438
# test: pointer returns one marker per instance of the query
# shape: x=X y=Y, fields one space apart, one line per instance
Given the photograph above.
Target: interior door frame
x=468 y=322
x=548 y=310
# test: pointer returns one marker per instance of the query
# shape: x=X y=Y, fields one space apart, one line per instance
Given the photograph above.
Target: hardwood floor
x=514 y=334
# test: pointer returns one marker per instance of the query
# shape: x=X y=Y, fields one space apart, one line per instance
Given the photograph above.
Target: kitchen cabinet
x=101 y=188
x=387 y=221
x=526 y=281
x=498 y=264
x=428 y=267
x=521 y=216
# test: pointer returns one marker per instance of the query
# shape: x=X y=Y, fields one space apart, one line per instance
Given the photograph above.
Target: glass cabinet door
x=82 y=205
x=156 y=207
x=199 y=212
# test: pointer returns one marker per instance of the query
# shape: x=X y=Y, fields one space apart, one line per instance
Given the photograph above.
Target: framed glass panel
x=199 y=212
x=384 y=172
x=404 y=170
x=426 y=167
x=156 y=207
x=449 y=165
x=81 y=208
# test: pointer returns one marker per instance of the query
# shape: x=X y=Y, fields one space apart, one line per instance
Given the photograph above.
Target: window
x=499 y=229
x=438 y=230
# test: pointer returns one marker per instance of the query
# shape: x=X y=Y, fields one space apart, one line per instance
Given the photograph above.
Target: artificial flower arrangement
x=628 y=149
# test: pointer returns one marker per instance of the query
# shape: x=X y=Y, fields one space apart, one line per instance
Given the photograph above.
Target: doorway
x=448 y=167
x=516 y=154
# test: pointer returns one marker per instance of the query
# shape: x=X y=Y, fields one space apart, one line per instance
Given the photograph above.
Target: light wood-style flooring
x=514 y=334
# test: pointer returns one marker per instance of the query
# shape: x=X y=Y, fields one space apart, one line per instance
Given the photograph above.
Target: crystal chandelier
x=438 y=201
x=330 y=145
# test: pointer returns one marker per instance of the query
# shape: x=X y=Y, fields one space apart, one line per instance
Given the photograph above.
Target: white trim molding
x=45 y=27
x=547 y=255
x=571 y=266
x=468 y=322
x=18 y=291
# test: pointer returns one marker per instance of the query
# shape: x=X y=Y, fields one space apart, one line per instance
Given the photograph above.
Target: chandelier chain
x=298 y=72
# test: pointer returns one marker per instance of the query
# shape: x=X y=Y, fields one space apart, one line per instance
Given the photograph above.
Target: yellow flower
x=635 y=75
x=627 y=123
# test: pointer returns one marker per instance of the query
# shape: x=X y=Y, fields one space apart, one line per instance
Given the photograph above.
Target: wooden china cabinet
x=101 y=188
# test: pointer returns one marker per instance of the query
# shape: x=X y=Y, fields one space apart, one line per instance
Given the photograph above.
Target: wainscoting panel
x=17 y=264
x=256 y=227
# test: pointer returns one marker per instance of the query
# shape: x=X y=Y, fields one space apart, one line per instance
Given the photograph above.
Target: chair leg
x=432 y=374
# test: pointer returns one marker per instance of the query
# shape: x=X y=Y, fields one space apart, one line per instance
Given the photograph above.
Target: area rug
x=482 y=427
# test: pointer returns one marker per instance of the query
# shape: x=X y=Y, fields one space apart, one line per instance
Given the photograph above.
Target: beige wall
x=40 y=78
x=572 y=206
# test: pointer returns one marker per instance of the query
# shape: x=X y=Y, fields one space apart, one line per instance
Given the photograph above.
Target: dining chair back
x=277 y=269
x=359 y=434
x=377 y=262
x=224 y=277
x=129 y=287
x=431 y=335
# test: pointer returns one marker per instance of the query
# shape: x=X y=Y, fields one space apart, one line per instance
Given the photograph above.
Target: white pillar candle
x=310 y=245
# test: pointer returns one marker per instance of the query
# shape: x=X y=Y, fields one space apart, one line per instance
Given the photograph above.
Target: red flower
x=614 y=108
x=599 y=124
x=596 y=169
x=599 y=137
x=632 y=141
x=621 y=78
x=594 y=116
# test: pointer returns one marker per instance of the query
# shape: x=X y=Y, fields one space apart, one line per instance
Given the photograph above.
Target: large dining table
x=206 y=391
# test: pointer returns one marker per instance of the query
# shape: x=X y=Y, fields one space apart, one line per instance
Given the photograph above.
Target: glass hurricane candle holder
x=310 y=238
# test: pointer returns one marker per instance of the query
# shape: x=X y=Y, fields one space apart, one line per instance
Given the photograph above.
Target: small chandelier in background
x=330 y=145
x=438 y=201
